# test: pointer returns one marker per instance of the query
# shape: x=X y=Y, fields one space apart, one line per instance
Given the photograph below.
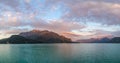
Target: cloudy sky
x=76 y=19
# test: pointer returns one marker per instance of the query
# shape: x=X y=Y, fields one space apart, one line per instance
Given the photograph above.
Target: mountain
x=115 y=40
x=4 y=41
x=36 y=36
x=87 y=40
x=102 y=40
x=16 y=38
x=44 y=36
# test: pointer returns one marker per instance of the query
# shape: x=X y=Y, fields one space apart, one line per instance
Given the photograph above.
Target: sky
x=75 y=19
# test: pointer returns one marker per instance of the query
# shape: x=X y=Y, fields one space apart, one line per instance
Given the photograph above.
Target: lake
x=60 y=53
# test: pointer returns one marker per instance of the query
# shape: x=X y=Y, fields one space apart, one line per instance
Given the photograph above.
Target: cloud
x=103 y=12
x=16 y=16
x=15 y=31
x=72 y=35
x=116 y=34
x=10 y=2
x=57 y=25
x=60 y=25
x=101 y=34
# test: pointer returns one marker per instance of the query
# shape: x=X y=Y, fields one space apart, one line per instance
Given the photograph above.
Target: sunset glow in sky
x=76 y=19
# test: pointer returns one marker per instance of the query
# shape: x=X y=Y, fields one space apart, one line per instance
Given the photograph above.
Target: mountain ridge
x=102 y=40
x=36 y=36
x=45 y=36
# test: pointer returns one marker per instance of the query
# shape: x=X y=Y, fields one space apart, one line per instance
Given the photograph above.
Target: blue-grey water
x=60 y=53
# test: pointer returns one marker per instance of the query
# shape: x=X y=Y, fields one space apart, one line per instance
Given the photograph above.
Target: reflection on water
x=60 y=53
x=4 y=53
x=96 y=53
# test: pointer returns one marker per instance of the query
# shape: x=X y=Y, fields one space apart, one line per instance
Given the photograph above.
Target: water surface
x=60 y=53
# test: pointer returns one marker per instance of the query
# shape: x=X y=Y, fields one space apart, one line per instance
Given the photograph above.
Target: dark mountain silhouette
x=44 y=36
x=4 y=41
x=115 y=40
x=102 y=40
x=87 y=40
x=16 y=38
x=36 y=36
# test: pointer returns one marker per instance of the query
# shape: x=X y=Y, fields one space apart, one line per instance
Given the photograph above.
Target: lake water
x=60 y=53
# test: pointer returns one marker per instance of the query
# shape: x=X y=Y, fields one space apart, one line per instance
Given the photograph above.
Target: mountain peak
x=39 y=31
x=35 y=30
x=45 y=36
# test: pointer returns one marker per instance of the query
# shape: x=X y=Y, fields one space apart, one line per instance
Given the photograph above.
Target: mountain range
x=102 y=40
x=45 y=36
x=36 y=36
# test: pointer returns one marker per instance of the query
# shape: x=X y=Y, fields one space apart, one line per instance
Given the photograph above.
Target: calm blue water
x=60 y=53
